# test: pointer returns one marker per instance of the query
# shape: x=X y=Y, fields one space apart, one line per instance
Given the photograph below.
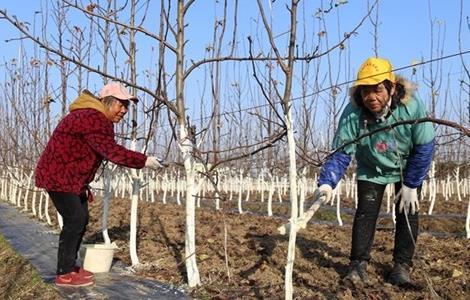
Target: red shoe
x=84 y=273
x=72 y=279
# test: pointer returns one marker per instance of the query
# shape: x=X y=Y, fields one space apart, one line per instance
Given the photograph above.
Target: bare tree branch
x=23 y=30
x=116 y=22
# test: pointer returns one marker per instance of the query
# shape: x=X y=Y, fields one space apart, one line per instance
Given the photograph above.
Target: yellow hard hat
x=373 y=71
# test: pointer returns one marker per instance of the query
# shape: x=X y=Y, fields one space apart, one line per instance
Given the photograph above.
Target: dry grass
x=19 y=279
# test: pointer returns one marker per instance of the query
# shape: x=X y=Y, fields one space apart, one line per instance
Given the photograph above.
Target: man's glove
x=409 y=199
x=323 y=192
x=153 y=162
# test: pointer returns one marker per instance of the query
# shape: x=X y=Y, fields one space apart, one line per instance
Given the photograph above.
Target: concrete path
x=38 y=244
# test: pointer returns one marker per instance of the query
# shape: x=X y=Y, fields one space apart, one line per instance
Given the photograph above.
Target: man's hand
x=409 y=200
x=325 y=192
x=153 y=162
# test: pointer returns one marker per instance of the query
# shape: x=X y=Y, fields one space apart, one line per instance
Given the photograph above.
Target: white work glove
x=323 y=192
x=409 y=200
x=153 y=162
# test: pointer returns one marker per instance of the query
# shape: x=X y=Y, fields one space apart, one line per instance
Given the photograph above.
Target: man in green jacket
x=399 y=156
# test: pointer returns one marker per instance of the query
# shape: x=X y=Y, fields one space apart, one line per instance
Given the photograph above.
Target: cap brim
x=373 y=80
x=132 y=98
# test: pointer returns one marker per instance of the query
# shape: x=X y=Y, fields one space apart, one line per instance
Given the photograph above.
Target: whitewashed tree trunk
x=13 y=192
x=433 y=194
x=262 y=186
x=2 y=190
x=190 y=236
x=198 y=199
x=175 y=185
x=178 y=194
x=457 y=181
x=270 y=199
x=41 y=196
x=165 y=189
x=467 y=221
x=432 y=188
x=152 y=188
x=46 y=209
x=33 y=201
x=240 y=192
x=301 y=196
x=388 y=192
x=20 y=194
x=294 y=207
x=424 y=189
x=262 y=192
x=136 y=186
x=464 y=187
x=289 y=121
x=354 y=190
x=338 y=203
x=133 y=221
x=107 y=188
x=25 y=198
x=28 y=190
x=217 y=201
x=279 y=189
x=230 y=198
x=60 y=221
x=448 y=187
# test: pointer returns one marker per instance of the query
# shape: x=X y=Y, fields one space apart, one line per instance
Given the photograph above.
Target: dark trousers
x=74 y=212
x=365 y=220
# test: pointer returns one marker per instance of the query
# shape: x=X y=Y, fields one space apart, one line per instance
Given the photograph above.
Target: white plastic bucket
x=98 y=258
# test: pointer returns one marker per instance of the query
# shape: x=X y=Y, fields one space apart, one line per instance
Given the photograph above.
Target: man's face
x=117 y=110
x=376 y=97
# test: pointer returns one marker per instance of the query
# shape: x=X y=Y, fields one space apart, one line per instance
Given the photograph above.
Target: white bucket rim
x=111 y=246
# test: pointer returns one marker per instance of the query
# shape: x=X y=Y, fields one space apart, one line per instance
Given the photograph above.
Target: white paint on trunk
x=46 y=209
x=107 y=192
x=467 y=221
x=294 y=205
x=190 y=236
x=136 y=185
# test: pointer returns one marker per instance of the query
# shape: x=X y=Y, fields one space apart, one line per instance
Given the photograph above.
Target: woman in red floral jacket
x=69 y=162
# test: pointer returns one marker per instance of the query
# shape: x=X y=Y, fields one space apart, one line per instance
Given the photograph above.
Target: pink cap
x=116 y=90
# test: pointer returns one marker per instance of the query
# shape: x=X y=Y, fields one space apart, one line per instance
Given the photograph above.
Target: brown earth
x=256 y=252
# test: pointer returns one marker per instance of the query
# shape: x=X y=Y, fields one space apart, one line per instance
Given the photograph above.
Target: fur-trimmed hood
x=409 y=88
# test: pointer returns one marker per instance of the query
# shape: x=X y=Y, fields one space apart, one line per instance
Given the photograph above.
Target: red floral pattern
x=381 y=147
x=76 y=149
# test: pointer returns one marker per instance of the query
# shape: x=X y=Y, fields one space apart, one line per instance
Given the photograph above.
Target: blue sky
x=404 y=36
x=404 y=25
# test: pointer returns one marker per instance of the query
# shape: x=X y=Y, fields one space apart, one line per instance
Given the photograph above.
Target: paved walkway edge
x=38 y=244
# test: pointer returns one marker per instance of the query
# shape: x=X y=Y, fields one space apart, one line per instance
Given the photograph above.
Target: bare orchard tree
x=432 y=76
x=186 y=141
x=59 y=12
x=287 y=68
x=131 y=50
x=286 y=64
x=375 y=24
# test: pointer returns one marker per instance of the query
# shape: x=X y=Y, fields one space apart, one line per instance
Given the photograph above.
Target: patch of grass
x=325 y=215
x=19 y=279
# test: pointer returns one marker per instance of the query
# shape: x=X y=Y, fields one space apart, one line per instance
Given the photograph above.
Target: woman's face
x=376 y=97
x=117 y=110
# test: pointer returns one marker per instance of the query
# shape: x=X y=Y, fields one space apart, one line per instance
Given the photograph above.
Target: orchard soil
x=242 y=256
